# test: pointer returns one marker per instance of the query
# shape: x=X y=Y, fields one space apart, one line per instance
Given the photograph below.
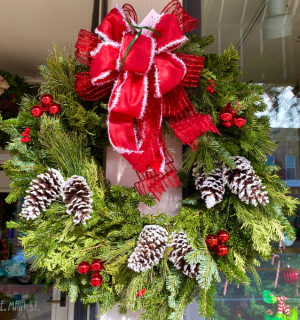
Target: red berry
x=27 y=130
x=24 y=134
x=27 y=139
x=225 y=116
x=212 y=85
x=54 y=108
x=212 y=240
x=212 y=91
x=239 y=121
x=96 y=279
x=97 y=265
x=84 y=267
x=23 y=140
x=138 y=294
x=222 y=250
x=143 y=291
x=223 y=236
x=227 y=124
x=208 y=89
x=46 y=100
x=210 y=80
x=37 y=111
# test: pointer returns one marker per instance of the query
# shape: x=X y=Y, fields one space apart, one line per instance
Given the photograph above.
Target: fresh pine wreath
x=66 y=150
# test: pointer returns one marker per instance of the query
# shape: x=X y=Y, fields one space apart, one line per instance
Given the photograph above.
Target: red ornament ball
x=37 y=111
x=24 y=134
x=211 y=91
x=47 y=101
x=213 y=248
x=96 y=279
x=227 y=124
x=23 y=140
x=239 y=121
x=290 y=275
x=223 y=236
x=27 y=139
x=222 y=250
x=55 y=108
x=212 y=240
x=27 y=130
x=226 y=116
x=84 y=267
x=97 y=265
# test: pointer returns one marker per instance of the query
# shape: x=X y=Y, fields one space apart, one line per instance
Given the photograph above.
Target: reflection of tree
x=284 y=104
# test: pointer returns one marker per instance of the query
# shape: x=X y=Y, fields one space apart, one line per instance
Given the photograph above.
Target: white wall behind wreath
x=142 y=7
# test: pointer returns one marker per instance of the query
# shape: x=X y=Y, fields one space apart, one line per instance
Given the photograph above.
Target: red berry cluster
x=140 y=293
x=97 y=265
x=216 y=242
x=229 y=118
x=211 y=86
x=26 y=135
x=46 y=105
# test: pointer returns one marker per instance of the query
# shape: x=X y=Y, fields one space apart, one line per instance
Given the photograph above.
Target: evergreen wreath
x=73 y=143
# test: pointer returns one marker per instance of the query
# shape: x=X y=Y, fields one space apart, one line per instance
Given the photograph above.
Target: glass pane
x=267 y=37
x=19 y=297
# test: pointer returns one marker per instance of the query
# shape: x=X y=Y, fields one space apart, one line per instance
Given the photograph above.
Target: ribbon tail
x=185 y=122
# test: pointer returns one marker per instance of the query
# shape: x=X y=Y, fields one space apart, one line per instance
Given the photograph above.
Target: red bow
x=147 y=89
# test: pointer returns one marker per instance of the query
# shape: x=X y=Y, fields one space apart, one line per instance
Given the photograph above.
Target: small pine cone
x=151 y=245
x=77 y=196
x=42 y=191
x=213 y=188
x=243 y=182
x=180 y=249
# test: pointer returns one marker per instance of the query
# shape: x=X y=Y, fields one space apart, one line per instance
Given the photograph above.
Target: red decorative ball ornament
x=54 y=108
x=27 y=130
x=96 y=279
x=24 y=134
x=223 y=236
x=37 y=111
x=47 y=101
x=222 y=250
x=97 y=265
x=84 y=267
x=290 y=275
x=213 y=248
x=227 y=124
x=239 y=121
x=27 y=139
x=212 y=240
x=226 y=116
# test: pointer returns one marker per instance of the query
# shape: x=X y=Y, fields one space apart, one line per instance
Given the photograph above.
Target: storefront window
x=20 y=298
x=266 y=35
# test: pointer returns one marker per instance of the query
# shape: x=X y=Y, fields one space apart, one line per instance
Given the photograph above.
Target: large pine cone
x=243 y=182
x=213 y=188
x=150 y=248
x=77 y=196
x=180 y=249
x=42 y=191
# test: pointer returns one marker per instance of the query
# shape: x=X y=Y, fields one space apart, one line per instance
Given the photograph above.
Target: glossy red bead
x=96 y=279
x=225 y=116
x=46 y=101
x=84 y=267
x=97 y=265
x=54 y=108
x=223 y=236
x=227 y=124
x=239 y=121
x=37 y=111
x=222 y=250
x=212 y=240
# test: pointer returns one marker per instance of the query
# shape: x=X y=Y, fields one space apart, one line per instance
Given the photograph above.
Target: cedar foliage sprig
x=74 y=142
